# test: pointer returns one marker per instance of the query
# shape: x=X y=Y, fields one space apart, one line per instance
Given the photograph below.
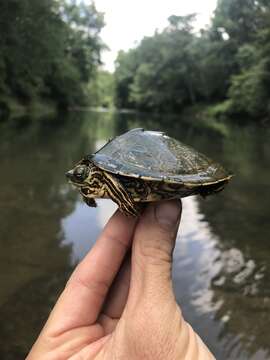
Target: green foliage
x=126 y=64
x=83 y=43
x=219 y=111
x=228 y=64
x=240 y=19
x=248 y=92
x=246 y=56
x=173 y=69
x=49 y=48
x=157 y=75
x=101 y=89
x=250 y=87
x=63 y=84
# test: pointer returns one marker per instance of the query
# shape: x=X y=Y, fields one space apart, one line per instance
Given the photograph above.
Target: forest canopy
x=50 y=49
x=228 y=63
x=51 y=52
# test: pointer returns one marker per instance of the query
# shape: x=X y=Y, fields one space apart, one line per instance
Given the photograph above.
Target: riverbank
x=219 y=117
x=215 y=117
x=11 y=107
x=207 y=116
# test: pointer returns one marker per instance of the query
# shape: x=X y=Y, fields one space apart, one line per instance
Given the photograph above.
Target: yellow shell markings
x=147 y=178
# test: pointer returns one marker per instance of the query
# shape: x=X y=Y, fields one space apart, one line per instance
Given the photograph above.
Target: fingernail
x=168 y=213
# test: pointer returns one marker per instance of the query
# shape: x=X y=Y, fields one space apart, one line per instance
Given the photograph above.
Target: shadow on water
x=221 y=262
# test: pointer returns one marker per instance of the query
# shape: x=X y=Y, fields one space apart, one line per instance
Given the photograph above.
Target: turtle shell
x=152 y=155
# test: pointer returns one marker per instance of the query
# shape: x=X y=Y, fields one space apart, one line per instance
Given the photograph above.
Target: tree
x=250 y=88
x=126 y=65
x=156 y=75
x=228 y=62
x=49 y=49
x=101 y=89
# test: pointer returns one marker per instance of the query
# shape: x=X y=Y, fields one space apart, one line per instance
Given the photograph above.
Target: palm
x=94 y=337
x=86 y=342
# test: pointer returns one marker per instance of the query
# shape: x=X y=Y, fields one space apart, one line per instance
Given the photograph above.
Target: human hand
x=121 y=306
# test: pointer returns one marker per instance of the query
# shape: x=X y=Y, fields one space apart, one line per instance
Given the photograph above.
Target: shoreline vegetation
x=225 y=67
x=51 y=62
x=37 y=108
x=195 y=116
x=50 y=54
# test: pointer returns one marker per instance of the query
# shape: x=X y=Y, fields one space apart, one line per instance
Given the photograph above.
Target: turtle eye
x=80 y=172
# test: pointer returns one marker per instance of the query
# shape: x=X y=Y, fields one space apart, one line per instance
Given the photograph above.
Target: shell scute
x=151 y=155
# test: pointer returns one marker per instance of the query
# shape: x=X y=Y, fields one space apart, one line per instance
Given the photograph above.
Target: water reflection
x=221 y=263
x=82 y=227
x=208 y=283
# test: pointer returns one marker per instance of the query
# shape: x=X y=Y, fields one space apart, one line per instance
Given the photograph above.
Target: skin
x=119 y=301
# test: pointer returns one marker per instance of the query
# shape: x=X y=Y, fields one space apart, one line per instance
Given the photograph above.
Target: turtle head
x=86 y=177
x=78 y=174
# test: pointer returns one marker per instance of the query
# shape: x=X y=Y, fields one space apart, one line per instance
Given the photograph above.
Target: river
x=221 y=267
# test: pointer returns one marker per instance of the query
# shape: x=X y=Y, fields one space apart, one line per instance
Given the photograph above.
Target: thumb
x=153 y=245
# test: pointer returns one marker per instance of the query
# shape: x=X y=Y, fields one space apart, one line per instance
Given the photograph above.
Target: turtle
x=143 y=166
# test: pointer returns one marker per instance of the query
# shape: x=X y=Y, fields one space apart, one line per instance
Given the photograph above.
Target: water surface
x=221 y=262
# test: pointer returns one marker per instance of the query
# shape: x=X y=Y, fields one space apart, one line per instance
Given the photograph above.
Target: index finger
x=81 y=301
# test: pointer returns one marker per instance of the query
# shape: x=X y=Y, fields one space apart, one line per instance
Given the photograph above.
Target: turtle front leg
x=120 y=196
